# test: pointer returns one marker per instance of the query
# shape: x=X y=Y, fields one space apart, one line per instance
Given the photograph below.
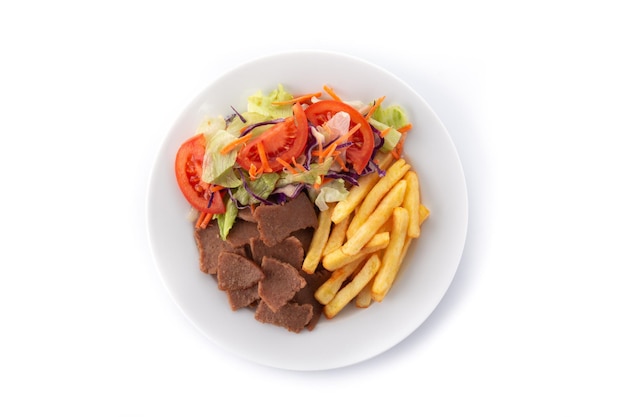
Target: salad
x=282 y=145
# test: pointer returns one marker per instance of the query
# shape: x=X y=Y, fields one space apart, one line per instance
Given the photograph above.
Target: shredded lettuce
x=331 y=192
x=393 y=115
x=216 y=167
x=236 y=125
x=311 y=176
x=226 y=220
x=252 y=192
x=392 y=137
x=210 y=125
x=262 y=104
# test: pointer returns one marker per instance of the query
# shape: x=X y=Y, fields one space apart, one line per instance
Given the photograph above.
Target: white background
x=534 y=96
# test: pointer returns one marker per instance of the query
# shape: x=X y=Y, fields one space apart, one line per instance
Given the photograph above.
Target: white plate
x=355 y=334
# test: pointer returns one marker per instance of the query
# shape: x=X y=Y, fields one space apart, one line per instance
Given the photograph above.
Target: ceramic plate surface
x=355 y=334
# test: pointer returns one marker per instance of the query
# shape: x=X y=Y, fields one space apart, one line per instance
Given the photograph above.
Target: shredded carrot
x=206 y=221
x=286 y=165
x=215 y=187
x=405 y=128
x=265 y=166
x=384 y=132
x=349 y=133
x=397 y=151
x=340 y=161
x=332 y=93
x=328 y=151
x=300 y=99
x=226 y=149
x=200 y=219
x=252 y=171
x=297 y=164
x=376 y=105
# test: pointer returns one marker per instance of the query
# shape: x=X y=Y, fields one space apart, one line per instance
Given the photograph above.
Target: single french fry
x=358 y=192
x=337 y=236
x=338 y=258
x=377 y=193
x=412 y=203
x=320 y=237
x=380 y=215
x=364 y=298
x=393 y=255
x=355 y=196
x=386 y=227
x=350 y=290
x=424 y=213
x=331 y=286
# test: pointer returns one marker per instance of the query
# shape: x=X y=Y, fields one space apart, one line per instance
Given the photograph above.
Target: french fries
x=320 y=238
x=393 y=255
x=331 y=286
x=339 y=258
x=412 y=203
x=364 y=239
x=347 y=293
x=376 y=194
x=378 y=218
x=356 y=195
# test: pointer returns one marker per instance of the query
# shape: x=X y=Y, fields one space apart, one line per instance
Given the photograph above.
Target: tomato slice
x=188 y=167
x=284 y=140
x=360 y=152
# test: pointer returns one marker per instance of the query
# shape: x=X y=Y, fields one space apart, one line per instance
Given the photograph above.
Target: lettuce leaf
x=216 y=167
x=226 y=220
x=252 y=191
x=331 y=192
x=260 y=103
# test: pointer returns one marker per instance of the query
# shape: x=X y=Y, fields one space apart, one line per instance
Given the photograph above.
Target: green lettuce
x=226 y=220
x=218 y=168
x=260 y=103
x=393 y=117
x=261 y=187
x=331 y=192
x=311 y=176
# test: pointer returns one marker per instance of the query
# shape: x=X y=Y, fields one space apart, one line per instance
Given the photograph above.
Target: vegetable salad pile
x=282 y=145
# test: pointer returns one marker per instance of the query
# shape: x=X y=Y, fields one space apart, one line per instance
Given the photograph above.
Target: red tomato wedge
x=360 y=152
x=188 y=167
x=284 y=140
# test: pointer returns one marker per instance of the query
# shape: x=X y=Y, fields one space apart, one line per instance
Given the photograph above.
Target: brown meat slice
x=276 y=222
x=292 y=316
x=241 y=233
x=305 y=236
x=246 y=214
x=243 y=298
x=280 y=284
x=307 y=294
x=210 y=245
x=289 y=250
x=236 y=272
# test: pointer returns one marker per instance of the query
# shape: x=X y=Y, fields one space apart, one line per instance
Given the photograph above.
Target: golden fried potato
x=350 y=290
x=393 y=255
x=394 y=174
x=380 y=215
x=331 y=286
x=337 y=236
x=339 y=258
x=412 y=203
x=357 y=193
x=320 y=237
